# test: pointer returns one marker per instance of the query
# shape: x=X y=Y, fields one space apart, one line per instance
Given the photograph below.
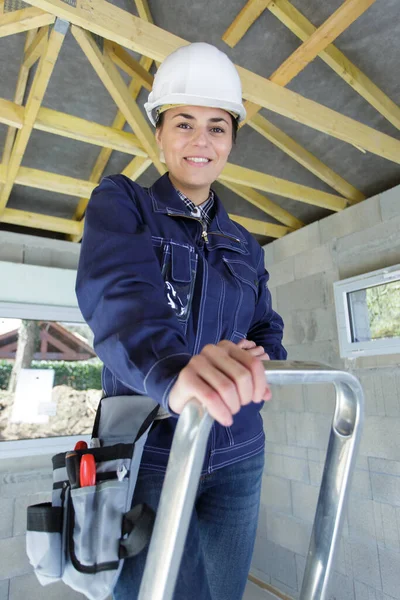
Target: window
x=368 y=313
x=50 y=377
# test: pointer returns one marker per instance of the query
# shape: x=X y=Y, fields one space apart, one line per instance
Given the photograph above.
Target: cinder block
x=276 y=494
x=387 y=533
x=317 y=260
x=372 y=386
x=315 y=291
x=268 y=255
x=383 y=466
x=257 y=593
x=320 y=398
x=291 y=398
x=14 y=485
x=390 y=203
x=390 y=384
x=6 y=517
x=4 y=587
x=386 y=488
x=359 y=217
x=303 y=239
x=361 y=484
x=287 y=467
x=289 y=532
x=323 y=352
x=11 y=252
x=368 y=250
x=279 y=563
x=293 y=451
x=21 y=505
x=381 y=438
x=304 y=500
x=28 y=586
x=281 y=272
x=308 y=429
x=365 y=562
x=274 y=425
x=389 y=561
x=307 y=326
x=284 y=589
x=315 y=470
x=361 y=519
x=14 y=560
x=340 y=587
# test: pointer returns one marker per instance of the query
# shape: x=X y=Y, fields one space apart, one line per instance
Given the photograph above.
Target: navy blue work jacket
x=155 y=290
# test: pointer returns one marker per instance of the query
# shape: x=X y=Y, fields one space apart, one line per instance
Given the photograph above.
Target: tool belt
x=83 y=536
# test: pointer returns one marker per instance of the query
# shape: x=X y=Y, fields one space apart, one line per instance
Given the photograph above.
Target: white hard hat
x=197 y=75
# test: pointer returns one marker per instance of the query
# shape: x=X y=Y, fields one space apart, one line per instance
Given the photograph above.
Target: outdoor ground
x=75 y=415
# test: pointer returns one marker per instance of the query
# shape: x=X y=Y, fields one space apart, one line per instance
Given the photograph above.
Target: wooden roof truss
x=46 y=23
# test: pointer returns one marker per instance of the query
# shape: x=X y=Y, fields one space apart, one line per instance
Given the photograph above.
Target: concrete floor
x=253 y=592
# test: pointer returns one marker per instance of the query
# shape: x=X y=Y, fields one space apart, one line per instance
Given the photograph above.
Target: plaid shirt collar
x=204 y=212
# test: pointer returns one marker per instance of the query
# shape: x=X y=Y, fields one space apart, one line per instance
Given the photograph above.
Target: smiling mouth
x=198 y=160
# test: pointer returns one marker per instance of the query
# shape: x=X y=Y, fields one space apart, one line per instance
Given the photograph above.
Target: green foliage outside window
x=79 y=375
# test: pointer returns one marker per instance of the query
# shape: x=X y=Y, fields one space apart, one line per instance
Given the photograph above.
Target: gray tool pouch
x=84 y=534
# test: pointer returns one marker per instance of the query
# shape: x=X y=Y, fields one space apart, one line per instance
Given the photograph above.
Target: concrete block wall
x=303 y=268
x=25 y=481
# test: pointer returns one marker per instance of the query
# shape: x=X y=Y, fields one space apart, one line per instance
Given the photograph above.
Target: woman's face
x=196 y=142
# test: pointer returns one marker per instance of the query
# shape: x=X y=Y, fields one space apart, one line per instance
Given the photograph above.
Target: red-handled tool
x=81 y=445
x=87 y=470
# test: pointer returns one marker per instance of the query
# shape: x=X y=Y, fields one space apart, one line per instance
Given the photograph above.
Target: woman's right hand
x=223 y=377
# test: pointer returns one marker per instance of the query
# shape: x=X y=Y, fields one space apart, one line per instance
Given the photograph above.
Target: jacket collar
x=166 y=200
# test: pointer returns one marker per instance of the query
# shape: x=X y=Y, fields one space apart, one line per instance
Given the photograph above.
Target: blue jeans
x=219 y=546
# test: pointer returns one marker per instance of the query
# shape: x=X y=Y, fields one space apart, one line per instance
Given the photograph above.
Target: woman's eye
x=184 y=125
x=218 y=130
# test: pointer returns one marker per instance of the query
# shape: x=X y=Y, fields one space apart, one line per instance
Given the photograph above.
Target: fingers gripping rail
x=186 y=460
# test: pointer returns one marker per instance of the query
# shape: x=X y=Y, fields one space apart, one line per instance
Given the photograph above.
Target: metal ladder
x=186 y=461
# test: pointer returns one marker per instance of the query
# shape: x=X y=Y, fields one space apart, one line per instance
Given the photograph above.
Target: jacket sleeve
x=267 y=326
x=120 y=292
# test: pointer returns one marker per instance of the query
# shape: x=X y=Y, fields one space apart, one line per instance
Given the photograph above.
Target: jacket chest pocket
x=178 y=268
x=243 y=284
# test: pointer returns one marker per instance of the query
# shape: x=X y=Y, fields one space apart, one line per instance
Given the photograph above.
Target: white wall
x=303 y=267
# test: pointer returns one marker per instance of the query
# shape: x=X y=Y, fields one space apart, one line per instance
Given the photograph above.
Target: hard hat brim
x=188 y=100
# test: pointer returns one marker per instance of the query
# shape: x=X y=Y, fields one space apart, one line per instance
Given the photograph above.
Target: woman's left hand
x=253 y=349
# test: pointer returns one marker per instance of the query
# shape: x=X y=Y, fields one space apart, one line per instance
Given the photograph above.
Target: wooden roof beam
x=20 y=89
x=52 y=182
x=25 y=19
x=76 y=128
x=288 y=145
x=65 y=125
x=245 y=19
x=36 y=47
x=267 y=183
x=23 y=218
x=127 y=63
x=116 y=87
x=261 y=227
x=338 y=22
x=36 y=94
x=136 y=34
x=264 y=204
x=336 y=60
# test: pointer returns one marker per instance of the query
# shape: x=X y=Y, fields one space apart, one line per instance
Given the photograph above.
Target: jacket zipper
x=205 y=233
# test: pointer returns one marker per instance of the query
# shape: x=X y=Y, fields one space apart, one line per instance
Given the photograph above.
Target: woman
x=172 y=289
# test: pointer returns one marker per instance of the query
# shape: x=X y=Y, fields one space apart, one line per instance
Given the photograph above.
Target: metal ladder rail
x=185 y=464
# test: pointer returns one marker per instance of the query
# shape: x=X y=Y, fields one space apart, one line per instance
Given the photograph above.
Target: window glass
x=50 y=379
x=375 y=312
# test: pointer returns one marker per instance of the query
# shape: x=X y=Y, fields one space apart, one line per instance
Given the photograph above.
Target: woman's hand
x=223 y=377
x=253 y=349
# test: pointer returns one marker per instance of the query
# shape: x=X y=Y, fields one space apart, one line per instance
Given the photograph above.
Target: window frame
x=24 y=308
x=342 y=289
